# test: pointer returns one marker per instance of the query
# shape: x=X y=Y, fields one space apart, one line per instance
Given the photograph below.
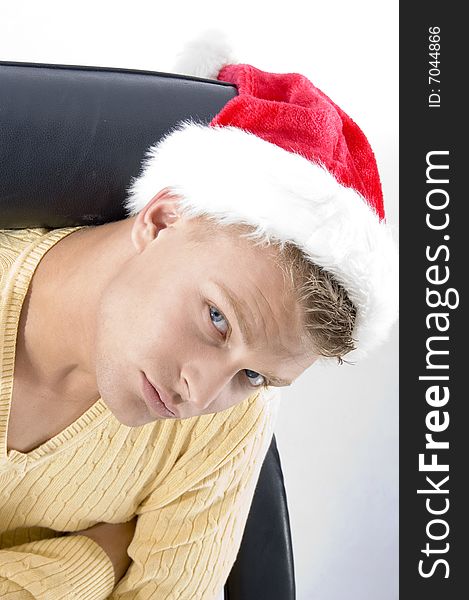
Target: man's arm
x=59 y=567
x=114 y=539
x=186 y=543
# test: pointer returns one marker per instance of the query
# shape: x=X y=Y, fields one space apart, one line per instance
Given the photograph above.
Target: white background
x=338 y=426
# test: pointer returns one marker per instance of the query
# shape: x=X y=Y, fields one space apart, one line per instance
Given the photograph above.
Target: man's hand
x=114 y=539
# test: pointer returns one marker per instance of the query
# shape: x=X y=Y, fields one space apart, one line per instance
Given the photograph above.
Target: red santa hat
x=284 y=158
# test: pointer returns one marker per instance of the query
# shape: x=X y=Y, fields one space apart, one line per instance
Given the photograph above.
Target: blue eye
x=217 y=318
x=256 y=376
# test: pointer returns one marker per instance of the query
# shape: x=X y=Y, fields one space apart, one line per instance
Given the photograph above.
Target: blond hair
x=329 y=314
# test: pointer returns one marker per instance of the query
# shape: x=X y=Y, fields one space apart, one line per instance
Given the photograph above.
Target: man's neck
x=56 y=334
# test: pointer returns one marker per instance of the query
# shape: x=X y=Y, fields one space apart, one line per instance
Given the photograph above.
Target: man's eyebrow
x=235 y=306
x=277 y=381
x=245 y=332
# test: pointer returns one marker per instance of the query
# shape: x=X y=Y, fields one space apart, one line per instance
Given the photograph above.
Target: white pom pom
x=205 y=55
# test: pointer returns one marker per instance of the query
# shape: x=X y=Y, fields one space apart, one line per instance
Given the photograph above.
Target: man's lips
x=163 y=399
x=157 y=398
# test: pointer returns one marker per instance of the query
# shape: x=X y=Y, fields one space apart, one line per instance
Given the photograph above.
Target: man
x=139 y=357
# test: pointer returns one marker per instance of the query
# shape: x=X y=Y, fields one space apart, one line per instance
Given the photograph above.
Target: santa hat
x=284 y=158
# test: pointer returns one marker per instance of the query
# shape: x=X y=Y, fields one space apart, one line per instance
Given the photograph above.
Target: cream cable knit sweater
x=190 y=482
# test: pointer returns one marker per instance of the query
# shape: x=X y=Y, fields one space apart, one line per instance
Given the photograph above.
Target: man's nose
x=206 y=384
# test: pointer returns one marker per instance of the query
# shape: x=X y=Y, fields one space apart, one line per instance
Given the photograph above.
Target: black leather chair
x=71 y=138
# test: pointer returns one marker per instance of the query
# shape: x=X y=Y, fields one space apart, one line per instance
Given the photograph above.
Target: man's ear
x=160 y=212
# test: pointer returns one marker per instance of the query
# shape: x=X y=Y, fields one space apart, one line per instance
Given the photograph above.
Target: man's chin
x=131 y=414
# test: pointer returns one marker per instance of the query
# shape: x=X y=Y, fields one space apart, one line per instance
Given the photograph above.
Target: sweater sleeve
x=184 y=549
x=59 y=568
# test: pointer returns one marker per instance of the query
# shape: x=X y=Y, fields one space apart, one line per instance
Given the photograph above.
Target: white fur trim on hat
x=205 y=55
x=237 y=177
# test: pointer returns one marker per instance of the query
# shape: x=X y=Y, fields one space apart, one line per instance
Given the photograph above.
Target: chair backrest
x=71 y=139
x=264 y=566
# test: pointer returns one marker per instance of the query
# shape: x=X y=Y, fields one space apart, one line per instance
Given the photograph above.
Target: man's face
x=167 y=317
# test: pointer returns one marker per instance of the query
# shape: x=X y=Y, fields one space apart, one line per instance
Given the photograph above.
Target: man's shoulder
x=208 y=449
x=15 y=240
x=17 y=244
x=12 y=243
x=229 y=430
